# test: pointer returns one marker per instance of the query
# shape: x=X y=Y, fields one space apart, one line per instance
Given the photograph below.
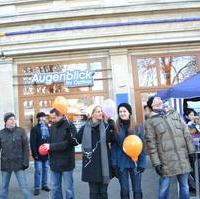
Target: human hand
x=73 y=141
x=159 y=170
x=140 y=170
x=25 y=167
x=46 y=146
x=192 y=158
x=115 y=171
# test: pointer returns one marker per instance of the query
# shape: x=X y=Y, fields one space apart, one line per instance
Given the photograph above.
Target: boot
x=137 y=195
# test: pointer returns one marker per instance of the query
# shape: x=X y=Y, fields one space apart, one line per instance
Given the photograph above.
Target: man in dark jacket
x=40 y=135
x=14 y=155
x=169 y=146
x=61 y=155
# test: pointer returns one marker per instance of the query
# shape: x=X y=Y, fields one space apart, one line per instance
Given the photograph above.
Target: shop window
x=165 y=70
x=29 y=88
x=175 y=69
x=39 y=97
x=147 y=72
x=156 y=72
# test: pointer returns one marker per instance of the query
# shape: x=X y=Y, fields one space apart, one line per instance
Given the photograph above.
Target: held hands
x=46 y=146
x=43 y=149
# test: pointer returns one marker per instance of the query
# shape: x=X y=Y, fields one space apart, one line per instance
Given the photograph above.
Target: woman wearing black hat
x=122 y=164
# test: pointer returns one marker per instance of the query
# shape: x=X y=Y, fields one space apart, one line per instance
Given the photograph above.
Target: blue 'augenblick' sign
x=74 y=78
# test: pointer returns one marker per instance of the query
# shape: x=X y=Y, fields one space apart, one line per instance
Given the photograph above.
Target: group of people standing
x=165 y=138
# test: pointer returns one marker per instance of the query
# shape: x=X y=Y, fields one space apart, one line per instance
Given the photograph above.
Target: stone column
x=6 y=88
x=121 y=73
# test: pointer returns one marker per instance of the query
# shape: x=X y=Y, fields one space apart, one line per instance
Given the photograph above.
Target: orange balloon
x=132 y=146
x=60 y=104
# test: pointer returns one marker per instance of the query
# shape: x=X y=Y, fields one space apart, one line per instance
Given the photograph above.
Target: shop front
x=81 y=82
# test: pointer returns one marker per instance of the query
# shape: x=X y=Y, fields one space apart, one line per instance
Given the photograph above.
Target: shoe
x=46 y=188
x=36 y=192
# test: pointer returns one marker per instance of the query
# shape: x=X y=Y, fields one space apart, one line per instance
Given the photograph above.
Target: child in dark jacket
x=122 y=164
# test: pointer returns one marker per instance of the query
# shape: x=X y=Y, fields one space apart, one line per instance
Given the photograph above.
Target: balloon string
x=136 y=167
x=89 y=155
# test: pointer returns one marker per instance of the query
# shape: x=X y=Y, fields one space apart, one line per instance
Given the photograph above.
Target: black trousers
x=98 y=190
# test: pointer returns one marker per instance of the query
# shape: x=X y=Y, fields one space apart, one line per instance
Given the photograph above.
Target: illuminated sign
x=74 y=78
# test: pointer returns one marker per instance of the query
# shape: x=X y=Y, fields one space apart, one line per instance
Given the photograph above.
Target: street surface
x=149 y=184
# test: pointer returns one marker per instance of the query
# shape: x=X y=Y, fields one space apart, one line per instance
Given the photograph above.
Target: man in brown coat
x=169 y=146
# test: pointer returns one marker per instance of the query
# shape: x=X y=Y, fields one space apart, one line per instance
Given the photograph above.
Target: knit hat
x=40 y=114
x=7 y=116
x=127 y=106
x=150 y=101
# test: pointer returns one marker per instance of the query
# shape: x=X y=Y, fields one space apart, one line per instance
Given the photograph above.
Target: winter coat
x=61 y=152
x=36 y=141
x=168 y=143
x=14 y=149
x=118 y=156
x=93 y=171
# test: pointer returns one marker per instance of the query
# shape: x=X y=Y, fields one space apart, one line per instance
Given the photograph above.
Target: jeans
x=21 y=178
x=124 y=183
x=98 y=190
x=56 y=185
x=41 y=174
x=164 y=185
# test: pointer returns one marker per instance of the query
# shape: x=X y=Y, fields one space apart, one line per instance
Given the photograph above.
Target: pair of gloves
x=116 y=171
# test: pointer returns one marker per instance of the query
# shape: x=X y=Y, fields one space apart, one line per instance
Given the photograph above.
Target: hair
x=56 y=112
x=188 y=111
x=131 y=127
x=93 y=110
x=146 y=106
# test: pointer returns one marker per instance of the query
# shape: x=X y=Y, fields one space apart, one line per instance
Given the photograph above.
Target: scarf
x=44 y=131
x=87 y=146
x=161 y=112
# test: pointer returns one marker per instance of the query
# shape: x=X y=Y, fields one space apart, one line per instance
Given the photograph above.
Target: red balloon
x=42 y=150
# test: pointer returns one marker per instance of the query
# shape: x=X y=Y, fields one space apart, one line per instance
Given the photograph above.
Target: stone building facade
x=135 y=47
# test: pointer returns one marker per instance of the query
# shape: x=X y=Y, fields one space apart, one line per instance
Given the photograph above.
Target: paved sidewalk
x=149 y=183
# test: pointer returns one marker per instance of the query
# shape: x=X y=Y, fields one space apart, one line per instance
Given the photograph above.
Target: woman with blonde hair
x=96 y=169
x=122 y=164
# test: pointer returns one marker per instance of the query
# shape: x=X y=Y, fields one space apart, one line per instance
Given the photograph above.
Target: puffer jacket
x=168 y=143
x=14 y=149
